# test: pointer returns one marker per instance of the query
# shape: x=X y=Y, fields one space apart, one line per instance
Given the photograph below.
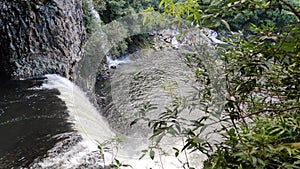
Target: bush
x=262 y=83
x=267 y=142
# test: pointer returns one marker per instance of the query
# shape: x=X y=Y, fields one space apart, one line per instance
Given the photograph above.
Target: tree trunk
x=40 y=36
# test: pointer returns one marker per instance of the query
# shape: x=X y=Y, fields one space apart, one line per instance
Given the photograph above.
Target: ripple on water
x=29 y=120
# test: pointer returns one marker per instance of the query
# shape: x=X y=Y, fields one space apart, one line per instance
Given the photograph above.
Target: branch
x=293 y=9
x=270 y=110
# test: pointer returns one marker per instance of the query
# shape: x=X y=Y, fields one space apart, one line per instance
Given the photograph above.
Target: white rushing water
x=94 y=129
x=89 y=124
x=115 y=63
x=140 y=81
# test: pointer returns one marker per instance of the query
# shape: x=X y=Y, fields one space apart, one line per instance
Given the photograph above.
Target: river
x=49 y=122
x=31 y=122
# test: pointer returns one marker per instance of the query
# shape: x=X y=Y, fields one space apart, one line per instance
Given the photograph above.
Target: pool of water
x=31 y=122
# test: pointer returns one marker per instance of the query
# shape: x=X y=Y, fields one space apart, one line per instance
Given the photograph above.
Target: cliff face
x=40 y=36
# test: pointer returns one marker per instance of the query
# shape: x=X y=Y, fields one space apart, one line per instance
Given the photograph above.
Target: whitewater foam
x=87 y=120
x=88 y=123
x=94 y=130
x=115 y=63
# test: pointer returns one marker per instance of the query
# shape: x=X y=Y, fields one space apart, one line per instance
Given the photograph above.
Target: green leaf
x=152 y=154
x=142 y=156
x=226 y=24
x=134 y=122
x=161 y=3
x=196 y=140
x=144 y=20
x=254 y=160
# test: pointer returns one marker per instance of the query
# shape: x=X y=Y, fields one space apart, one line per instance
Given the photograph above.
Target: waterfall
x=87 y=122
x=88 y=138
x=93 y=17
x=94 y=130
x=113 y=64
x=134 y=82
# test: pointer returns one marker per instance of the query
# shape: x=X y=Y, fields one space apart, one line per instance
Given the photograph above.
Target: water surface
x=31 y=122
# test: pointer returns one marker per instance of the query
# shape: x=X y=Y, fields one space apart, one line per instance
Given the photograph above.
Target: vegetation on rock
x=110 y=10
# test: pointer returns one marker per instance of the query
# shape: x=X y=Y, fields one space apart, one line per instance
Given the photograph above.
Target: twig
x=186 y=156
x=161 y=162
x=271 y=110
x=293 y=9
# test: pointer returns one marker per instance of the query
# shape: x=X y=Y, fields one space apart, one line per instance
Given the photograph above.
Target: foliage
x=272 y=18
x=261 y=117
x=111 y=146
x=265 y=143
x=113 y=9
x=263 y=71
x=90 y=18
x=233 y=14
x=110 y=10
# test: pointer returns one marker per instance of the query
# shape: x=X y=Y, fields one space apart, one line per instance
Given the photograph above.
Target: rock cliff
x=40 y=36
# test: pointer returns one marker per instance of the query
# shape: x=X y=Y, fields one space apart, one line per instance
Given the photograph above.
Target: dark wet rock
x=40 y=36
x=113 y=66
